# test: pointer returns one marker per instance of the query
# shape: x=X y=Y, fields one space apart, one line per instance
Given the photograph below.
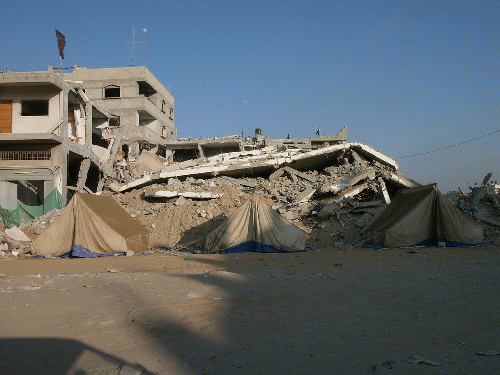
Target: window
x=112 y=91
x=146 y=89
x=171 y=115
x=34 y=107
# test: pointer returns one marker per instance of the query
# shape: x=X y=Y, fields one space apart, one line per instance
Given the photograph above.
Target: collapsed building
x=112 y=131
x=258 y=156
x=70 y=131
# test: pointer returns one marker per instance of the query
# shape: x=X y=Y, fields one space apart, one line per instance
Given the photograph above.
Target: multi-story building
x=66 y=130
x=143 y=104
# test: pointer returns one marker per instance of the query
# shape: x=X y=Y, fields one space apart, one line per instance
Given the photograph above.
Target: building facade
x=143 y=104
x=68 y=131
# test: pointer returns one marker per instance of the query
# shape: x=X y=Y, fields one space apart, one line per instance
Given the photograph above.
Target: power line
x=447 y=147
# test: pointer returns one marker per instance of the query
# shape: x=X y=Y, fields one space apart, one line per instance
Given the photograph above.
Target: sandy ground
x=320 y=312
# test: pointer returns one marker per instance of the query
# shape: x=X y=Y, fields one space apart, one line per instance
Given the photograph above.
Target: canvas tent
x=95 y=223
x=423 y=216
x=255 y=227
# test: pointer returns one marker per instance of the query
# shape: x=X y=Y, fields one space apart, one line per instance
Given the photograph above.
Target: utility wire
x=447 y=147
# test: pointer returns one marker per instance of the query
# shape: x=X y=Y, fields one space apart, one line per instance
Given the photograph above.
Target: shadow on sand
x=53 y=356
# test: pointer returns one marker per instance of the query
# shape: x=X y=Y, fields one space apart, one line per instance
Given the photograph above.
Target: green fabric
x=24 y=213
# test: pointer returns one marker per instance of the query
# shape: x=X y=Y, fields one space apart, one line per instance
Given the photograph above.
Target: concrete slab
x=305 y=196
x=297 y=173
x=267 y=162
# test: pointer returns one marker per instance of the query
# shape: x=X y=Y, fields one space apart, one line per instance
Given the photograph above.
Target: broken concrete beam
x=351 y=192
x=292 y=172
x=187 y=194
x=357 y=158
x=298 y=174
x=383 y=189
x=276 y=174
x=305 y=196
x=401 y=180
x=241 y=182
x=82 y=173
x=161 y=194
x=371 y=154
x=190 y=163
x=348 y=182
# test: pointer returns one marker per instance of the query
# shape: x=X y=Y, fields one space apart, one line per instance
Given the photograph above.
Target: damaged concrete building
x=343 y=169
x=68 y=131
x=143 y=104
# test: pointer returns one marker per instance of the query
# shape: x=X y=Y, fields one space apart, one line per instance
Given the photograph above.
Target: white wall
x=33 y=124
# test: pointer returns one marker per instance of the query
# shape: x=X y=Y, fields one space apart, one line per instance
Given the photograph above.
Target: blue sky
x=404 y=76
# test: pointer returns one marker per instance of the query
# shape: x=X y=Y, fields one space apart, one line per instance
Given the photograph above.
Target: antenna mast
x=133 y=46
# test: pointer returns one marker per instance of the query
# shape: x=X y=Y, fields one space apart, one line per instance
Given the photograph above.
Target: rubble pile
x=482 y=203
x=333 y=204
x=40 y=223
x=181 y=212
x=13 y=243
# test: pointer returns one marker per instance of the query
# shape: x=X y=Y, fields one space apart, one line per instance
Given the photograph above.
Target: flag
x=61 y=42
x=318 y=132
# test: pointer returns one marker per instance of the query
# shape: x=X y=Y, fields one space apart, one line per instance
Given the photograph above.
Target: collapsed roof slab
x=265 y=162
x=401 y=180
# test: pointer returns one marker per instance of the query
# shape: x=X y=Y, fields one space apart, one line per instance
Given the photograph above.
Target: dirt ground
x=320 y=312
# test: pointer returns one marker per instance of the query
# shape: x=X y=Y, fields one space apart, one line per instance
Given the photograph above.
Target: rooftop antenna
x=133 y=46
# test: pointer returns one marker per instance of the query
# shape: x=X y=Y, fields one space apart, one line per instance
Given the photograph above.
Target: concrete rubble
x=333 y=192
x=482 y=203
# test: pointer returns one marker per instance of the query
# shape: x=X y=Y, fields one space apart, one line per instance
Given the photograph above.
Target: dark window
x=34 y=108
x=112 y=92
x=30 y=192
x=145 y=89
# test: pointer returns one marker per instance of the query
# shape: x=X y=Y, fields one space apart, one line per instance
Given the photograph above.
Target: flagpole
x=62 y=72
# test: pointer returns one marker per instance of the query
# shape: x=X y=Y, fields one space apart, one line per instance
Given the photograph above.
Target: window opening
x=112 y=92
x=34 y=108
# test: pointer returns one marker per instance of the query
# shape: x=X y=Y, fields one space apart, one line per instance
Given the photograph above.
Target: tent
x=95 y=225
x=255 y=227
x=423 y=216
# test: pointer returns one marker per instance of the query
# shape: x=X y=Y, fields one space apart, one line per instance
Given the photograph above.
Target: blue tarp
x=432 y=242
x=256 y=247
x=81 y=252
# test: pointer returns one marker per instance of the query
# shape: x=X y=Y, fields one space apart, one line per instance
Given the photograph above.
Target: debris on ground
x=489 y=353
x=417 y=359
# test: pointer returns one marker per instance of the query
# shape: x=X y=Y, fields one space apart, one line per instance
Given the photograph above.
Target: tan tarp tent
x=255 y=227
x=96 y=223
x=423 y=215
